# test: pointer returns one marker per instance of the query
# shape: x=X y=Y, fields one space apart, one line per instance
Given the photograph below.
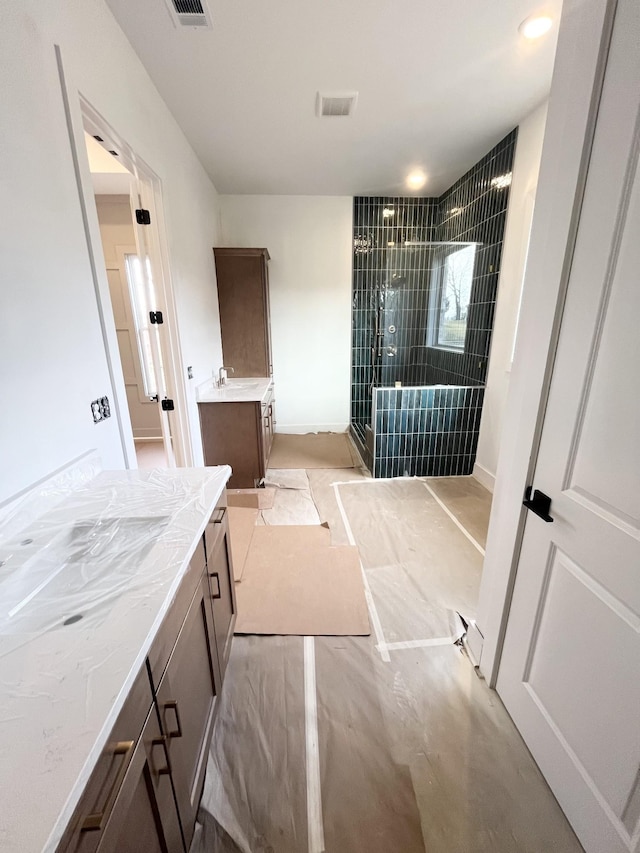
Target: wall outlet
x=100 y=409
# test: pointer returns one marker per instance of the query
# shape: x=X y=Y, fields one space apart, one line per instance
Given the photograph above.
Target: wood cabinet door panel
x=186 y=704
x=221 y=582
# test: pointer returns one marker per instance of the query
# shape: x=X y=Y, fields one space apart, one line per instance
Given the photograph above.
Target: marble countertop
x=253 y=389
x=62 y=688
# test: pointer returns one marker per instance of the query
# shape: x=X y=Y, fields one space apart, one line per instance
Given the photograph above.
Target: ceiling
x=108 y=176
x=439 y=83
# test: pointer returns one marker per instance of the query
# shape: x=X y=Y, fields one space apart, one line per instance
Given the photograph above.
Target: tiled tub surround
x=426 y=432
x=392 y=281
x=63 y=687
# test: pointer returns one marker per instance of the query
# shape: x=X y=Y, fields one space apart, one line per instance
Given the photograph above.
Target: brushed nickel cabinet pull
x=172 y=704
x=97 y=820
x=219 y=518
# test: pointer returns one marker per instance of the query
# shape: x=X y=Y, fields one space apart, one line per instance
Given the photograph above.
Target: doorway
x=112 y=184
x=129 y=213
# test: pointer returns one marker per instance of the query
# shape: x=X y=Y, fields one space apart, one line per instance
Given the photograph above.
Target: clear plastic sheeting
x=382 y=743
x=54 y=576
x=85 y=582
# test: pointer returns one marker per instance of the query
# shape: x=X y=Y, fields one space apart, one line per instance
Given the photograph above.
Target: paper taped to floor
x=295 y=582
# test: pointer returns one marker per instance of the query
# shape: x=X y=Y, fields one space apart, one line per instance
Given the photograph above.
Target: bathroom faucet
x=222 y=375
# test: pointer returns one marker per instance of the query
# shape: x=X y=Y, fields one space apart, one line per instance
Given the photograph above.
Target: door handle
x=540 y=503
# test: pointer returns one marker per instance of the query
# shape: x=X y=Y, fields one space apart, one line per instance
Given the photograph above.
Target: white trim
x=484 y=477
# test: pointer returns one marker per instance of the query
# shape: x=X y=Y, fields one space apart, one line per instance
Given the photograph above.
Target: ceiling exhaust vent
x=336 y=103
x=189 y=13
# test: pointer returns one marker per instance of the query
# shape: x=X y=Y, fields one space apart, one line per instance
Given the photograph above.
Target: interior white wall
x=309 y=240
x=52 y=358
x=514 y=255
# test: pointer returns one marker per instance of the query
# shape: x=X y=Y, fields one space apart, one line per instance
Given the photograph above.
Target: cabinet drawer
x=170 y=628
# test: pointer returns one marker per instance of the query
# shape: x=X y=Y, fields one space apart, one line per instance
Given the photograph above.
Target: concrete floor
x=382 y=744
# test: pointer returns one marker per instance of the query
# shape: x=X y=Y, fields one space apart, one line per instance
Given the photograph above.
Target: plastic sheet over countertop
x=89 y=565
x=383 y=743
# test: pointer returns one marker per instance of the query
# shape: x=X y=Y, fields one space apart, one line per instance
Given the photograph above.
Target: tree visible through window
x=454 y=295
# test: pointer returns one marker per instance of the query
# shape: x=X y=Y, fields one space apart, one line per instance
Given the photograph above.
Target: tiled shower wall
x=426 y=432
x=391 y=283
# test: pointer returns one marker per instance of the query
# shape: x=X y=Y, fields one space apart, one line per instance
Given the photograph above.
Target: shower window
x=454 y=276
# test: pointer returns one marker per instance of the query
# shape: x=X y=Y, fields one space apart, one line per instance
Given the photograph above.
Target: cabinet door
x=223 y=593
x=133 y=809
x=243 y=302
x=186 y=703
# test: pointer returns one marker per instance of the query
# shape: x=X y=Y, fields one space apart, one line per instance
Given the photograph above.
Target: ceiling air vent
x=336 y=104
x=189 y=13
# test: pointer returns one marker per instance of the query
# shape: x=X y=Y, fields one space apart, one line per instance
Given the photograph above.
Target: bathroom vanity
x=110 y=691
x=237 y=421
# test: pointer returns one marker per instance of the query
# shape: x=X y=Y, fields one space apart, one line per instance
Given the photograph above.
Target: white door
x=570 y=671
x=145 y=304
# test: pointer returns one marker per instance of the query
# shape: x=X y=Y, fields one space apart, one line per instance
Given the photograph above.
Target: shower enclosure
x=425 y=277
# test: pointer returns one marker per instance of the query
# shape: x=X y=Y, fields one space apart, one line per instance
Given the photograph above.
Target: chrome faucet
x=222 y=375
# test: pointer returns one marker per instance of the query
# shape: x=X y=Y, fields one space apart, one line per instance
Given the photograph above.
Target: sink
x=241 y=385
x=52 y=578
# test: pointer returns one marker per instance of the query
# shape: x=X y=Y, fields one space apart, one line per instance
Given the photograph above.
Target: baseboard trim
x=485 y=477
x=301 y=429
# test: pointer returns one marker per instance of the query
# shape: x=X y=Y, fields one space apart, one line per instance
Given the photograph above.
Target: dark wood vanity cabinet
x=239 y=434
x=145 y=791
x=243 y=300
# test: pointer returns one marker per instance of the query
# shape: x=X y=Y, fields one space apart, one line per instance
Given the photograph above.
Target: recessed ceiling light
x=535 y=26
x=416 y=180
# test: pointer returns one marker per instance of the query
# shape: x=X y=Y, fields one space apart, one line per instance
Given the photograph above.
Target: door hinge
x=143 y=217
x=167 y=405
x=156 y=318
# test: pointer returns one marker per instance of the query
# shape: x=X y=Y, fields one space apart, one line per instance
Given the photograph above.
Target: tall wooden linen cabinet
x=243 y=297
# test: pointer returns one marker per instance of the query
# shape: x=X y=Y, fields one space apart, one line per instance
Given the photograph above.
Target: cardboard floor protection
x=242 y=524
x=295 y=582
x=254 y=498
x=314 y=450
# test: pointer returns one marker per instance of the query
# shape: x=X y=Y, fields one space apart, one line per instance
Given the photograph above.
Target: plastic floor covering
x=381 y=744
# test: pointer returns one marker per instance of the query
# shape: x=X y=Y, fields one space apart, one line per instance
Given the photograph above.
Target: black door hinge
x=167 y=405
x=143 y=217
x=155 y=318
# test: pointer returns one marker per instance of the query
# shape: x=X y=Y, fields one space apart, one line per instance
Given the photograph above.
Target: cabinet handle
x=173 y=705
x=161 y=741
x=217 y=577
x=97 y=820
x=220 y=517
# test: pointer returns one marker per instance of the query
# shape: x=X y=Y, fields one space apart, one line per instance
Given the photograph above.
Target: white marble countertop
x=62 y=688
x=253 y=389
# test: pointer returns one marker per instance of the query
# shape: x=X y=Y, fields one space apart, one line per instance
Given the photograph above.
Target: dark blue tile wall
x=426 y=432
